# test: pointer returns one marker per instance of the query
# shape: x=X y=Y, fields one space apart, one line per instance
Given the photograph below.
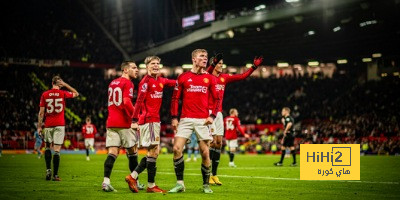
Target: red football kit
x=232 y=124
x=222 y=80
x=54 y=102
x=120 y=108
x=195 y=90
x=89 y=130
x=147 y=107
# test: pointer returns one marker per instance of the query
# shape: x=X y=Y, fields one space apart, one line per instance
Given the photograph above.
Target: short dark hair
x=126 y=64
x=55 y=79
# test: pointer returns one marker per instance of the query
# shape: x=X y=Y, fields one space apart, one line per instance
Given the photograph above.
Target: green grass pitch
x=23 y=177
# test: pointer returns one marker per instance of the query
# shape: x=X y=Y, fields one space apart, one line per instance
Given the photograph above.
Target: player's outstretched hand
x=175 y=123
x=257 y=61
x=208 y=121
x=134 y=126
x=218 y=57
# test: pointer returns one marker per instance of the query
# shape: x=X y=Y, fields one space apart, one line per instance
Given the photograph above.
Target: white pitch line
x=287 y=179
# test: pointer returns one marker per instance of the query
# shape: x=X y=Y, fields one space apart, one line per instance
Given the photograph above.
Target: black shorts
x=288 y=141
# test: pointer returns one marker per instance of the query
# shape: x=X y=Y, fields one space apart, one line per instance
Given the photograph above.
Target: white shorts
x=121 y=137
x=54 y=135
x=89 y=142
x=232 y=143
x=149 y=134
x=188 y=125
x=217 y=127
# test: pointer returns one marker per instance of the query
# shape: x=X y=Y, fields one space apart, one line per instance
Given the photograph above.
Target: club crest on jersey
x=222 y=79
x=161 y=85
x=144 y=87
x=176 y=85
x=205 y=80
x=131 y=92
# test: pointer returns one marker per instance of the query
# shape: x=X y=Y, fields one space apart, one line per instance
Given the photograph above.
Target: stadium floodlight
x=223 y=66
x=160 y=66
x=342 y=61
x=367 y=23
x=396 y=73
x=248 y=65
x=260 y=7
x=376 y=55
x=230 y=33
x=187 y=66
x=311 y=32
x=283 y=64
x=142 y=66
x=337 y=28
x=367 y=59
x=313 y=63
x=384 y=74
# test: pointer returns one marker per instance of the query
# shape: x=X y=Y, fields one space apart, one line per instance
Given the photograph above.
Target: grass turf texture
x=23 y=177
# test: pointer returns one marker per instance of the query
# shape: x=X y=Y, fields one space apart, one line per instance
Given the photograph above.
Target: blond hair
x=232 y=110
x=287 y=109
x=197 y=51
x=150 y=58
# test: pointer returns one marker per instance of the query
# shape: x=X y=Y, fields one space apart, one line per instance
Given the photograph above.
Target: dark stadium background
x=338 y=63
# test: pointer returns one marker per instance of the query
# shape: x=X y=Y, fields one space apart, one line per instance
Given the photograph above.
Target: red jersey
x=232 y=124
x=195 y=89
x=89 y=130
x=54 y=102
x=119 y=114
x=222 y=80
x=147 y=108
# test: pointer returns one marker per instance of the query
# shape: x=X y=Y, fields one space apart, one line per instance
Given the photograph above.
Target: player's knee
x=177 y=150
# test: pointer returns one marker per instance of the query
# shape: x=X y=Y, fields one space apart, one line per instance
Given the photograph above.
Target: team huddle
x=136 y=126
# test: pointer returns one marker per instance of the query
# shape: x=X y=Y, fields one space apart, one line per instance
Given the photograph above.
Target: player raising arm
x=195 y=87
x=52 y=106
x=218 y=125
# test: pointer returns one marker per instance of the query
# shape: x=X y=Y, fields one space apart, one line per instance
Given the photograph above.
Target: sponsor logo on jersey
x=197 y=88
x=219 y=87
x=156 y=95
x=205 y=80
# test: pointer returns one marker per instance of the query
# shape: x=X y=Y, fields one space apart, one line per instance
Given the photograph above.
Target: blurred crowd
x=54 y=34
x=341 y=109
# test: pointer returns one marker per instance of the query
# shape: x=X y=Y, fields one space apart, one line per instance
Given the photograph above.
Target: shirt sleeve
x=210 y=69
x=127 y=95
x=84 y=130
x=42 y=103
x=238 y=77
x=215 y=95
x=237 y=123
x=143 y=87
x=68 y=94
x=176 y=96
x=169 y=82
